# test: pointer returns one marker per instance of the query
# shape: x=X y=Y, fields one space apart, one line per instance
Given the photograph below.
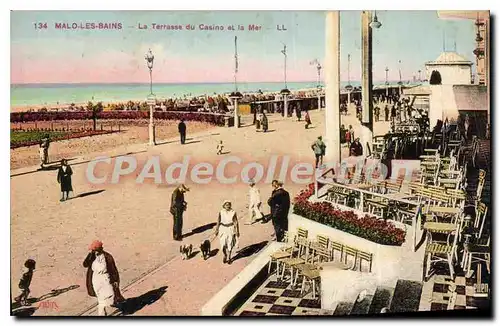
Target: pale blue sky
x=413 y=37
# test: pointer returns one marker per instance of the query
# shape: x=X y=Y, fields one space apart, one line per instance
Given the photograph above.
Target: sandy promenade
x=134 y=223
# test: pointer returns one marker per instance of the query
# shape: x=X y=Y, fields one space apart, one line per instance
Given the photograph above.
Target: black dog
x=205 y=249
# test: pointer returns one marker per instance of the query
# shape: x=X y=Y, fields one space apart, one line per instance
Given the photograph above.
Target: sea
x=59 y=94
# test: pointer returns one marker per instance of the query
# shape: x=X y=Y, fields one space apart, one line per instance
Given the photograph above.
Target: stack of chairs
x=468 y=152
x=302 y=259
x=378 y=145
x=429 y=167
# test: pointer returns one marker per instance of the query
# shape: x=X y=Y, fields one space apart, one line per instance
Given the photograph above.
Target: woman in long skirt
x=103 y=279
x=64 y=179
x=228 y=231
x=307 y=119
x=298 y=112
x=41 y=152
x=264 y=122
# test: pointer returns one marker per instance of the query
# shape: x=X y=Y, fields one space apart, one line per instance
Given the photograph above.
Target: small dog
x=205 y=249
x=186 y=251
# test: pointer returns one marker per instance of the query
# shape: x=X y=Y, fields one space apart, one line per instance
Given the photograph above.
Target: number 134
x=40 y=25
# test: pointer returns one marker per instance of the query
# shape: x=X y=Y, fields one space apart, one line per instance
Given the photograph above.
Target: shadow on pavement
x=200 y=229
x=51 y=294
x=24 y=312
x=49 y=168
x=90 y=193
x=265 y=219
x=250 y=250
x=193 y=254
x=132 y=305
x=55 y=167
x=213 y=253
x=192 y=142
x=166 y=142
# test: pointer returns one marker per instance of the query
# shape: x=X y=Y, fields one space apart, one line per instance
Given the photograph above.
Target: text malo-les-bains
x=99 y=25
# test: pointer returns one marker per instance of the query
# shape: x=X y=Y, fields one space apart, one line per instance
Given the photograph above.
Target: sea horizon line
x=184 y=83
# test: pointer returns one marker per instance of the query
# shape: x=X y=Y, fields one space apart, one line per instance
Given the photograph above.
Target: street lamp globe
x=149 y=59
x=375 y=23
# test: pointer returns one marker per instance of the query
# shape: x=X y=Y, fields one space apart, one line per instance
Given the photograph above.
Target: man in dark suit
x=280 y=205
x=356 y=149
x=266 y=218
x=182 y=131
x=177 y=208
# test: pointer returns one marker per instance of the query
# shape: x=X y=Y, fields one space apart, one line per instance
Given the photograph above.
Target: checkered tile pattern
x=436 y=293
x=278 y=298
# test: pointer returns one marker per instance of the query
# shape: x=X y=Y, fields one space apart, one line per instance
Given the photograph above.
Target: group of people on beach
x=261 y=119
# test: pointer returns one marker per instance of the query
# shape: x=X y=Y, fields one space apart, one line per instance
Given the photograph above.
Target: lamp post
x=419 y=75
x=400 y=83
x=318 y=68
x=367 y=24
x=386 y=82
x=151 y=98
x=285 y=92
x=236 y=95
x=348 y=87
x=318 y=86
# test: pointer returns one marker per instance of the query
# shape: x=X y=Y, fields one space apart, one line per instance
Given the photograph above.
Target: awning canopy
x=471 y=97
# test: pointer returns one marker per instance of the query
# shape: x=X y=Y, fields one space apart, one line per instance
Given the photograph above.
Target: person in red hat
x=103 y=279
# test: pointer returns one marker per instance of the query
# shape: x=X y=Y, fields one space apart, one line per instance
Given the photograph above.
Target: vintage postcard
x=250 y=163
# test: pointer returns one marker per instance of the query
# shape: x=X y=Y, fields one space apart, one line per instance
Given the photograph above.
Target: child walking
x=25 y=282
x=220 y=147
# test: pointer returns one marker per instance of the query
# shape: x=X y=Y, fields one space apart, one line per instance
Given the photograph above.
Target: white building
x=451 y=90
x=449 y=68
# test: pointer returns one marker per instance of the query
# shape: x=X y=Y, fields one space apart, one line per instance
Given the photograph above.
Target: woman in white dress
x=102 y=278
x=228 y=231
x=41 y=152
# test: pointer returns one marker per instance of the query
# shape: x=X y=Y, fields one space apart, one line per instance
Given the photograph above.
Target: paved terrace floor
x=135 y=225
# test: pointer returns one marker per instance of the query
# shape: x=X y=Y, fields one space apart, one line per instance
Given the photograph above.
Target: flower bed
x=367 y=227
x=215 y=119
x=34 y=137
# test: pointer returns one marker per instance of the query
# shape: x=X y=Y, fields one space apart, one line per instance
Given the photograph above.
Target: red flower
x=368 y=227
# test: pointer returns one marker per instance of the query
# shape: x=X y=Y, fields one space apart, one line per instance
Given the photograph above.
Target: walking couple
x=279 y=202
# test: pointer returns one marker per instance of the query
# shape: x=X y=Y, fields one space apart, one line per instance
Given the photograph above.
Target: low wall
x=389 y=264
x=352 y=283
x=219 y=303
